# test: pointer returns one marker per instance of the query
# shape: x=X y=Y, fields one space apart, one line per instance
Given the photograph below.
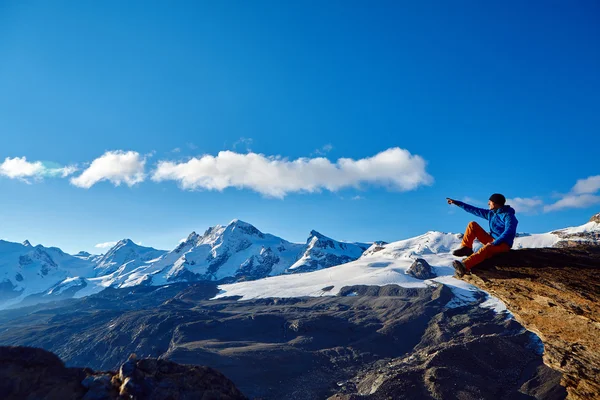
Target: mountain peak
x=595 y=218
x=27 y=244
x=239 y=223
x=192 y=237
x=125 y=242
x=243 y=227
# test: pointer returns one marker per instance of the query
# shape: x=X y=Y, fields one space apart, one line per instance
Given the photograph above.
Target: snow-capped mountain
x=125 y=256
x=235 y=251
x=323 y=252
x=26 y=270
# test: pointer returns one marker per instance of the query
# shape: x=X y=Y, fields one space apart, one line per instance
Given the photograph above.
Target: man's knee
x=473 y=224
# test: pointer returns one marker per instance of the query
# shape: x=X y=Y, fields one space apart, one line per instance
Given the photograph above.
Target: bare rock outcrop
x=421 y=269
x=32 y=373
x=554 y=292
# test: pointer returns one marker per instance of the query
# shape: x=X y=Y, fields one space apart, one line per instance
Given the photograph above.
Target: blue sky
x=200 y=111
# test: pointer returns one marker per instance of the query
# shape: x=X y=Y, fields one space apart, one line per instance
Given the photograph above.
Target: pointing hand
x=450 y=201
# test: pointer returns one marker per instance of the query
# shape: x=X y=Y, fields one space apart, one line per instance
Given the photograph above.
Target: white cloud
x=105 y=245
x=525 y=205
x=274 y=176
x=588 y=185
x=357 y=197
x=574 y=201
x=115 y=166
x=20 y=168
x=582 y=195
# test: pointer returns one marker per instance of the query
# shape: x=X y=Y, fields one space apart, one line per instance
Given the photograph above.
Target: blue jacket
x=503 y=223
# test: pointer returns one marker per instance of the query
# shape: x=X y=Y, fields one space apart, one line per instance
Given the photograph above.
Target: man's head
x=496 y=201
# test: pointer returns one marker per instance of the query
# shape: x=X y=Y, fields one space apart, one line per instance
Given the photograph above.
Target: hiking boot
x=459 y=269
x=463 y=252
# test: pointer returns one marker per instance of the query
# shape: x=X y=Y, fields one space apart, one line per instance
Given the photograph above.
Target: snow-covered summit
x=237 y=250
x=125 y=256
x=323 y=252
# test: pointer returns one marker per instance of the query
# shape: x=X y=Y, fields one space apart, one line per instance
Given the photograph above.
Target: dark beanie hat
x=498 y=199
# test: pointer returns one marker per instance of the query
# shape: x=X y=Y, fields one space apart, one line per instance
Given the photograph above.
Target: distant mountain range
x=231 y=253
x=236 y=252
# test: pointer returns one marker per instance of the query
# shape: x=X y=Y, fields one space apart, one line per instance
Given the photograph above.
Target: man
x=503 y=229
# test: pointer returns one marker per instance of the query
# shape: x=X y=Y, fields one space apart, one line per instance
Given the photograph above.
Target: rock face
x=421 y=269
x=554 y=292
x=37 y=374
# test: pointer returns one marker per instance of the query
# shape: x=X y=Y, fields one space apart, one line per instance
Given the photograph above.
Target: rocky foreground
x=29 y=373
x=369 y=342
x=554 y=292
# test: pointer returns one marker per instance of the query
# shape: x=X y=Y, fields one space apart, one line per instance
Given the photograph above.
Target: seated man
x=503 y=229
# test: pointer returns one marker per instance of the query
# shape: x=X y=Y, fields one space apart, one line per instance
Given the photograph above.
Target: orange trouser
x=474 y=231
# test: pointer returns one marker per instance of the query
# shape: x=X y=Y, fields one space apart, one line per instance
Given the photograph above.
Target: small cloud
x=274 y=176
x=191 y=146
x=20 y=168
x=105 y=245
x=116 y=167
x=246 y=142
x=176 y=150
x=358 y=198
x=588 y=185
x=525 y=205
x=582 y=195
x=574 y=201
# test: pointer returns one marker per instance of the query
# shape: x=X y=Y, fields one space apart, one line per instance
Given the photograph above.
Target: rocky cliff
x=27 y=372
x=554 y=292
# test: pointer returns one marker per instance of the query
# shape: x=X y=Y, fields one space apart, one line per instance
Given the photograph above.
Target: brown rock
x=30 y=373
x=554 y=292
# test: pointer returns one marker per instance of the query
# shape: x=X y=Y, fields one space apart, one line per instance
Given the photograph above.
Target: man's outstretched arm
x=479 y=212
